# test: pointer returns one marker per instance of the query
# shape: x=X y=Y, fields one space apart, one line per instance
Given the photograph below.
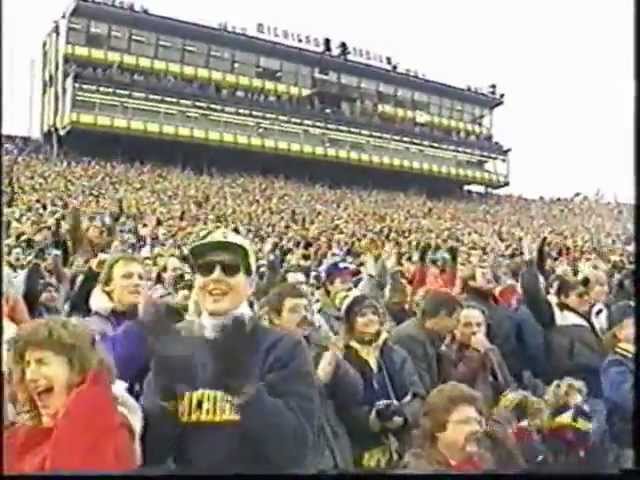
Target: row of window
x=87 y=92
x=114 y=37
x=303 y=139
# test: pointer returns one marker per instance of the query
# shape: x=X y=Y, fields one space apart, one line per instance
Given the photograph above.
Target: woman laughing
x=68 y=417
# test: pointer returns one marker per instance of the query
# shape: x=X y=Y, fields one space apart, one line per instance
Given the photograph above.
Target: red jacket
x=90 y=435
x=430 y=278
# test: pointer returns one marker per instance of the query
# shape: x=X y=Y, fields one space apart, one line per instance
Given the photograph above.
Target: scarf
x=212 y=325
x=370 y=353
x=625 y=350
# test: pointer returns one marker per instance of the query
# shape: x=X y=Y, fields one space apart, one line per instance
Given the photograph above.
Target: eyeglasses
x=208 y=267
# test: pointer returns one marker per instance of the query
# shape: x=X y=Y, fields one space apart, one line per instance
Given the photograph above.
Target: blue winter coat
x=617 y=374
x=405 y=384
x=205 y=431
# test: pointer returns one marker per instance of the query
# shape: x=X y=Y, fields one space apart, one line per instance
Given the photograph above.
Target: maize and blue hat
x=222 y=239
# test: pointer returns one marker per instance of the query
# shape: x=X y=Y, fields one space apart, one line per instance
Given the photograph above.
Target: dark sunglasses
x=229 y=269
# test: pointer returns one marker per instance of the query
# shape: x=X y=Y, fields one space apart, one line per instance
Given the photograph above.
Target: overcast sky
x=565 y=66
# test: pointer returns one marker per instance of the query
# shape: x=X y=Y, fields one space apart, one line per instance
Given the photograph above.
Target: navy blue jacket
x=530 y=338
x=207 y=432
x=332 y=449
x=404 y=382
x=617 y=373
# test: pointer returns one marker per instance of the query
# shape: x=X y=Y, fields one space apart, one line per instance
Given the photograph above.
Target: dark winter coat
x=573 y=345
x=531 y=342
x=403 y=386
x=422 y=347
x=333 y=451
x=208 y=431
x=617 y=374
x=501 y=330
x=485 y=371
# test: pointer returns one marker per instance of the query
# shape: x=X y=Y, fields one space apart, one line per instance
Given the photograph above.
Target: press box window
x=289 y=73
x=169 y=49
x=305 y=80
x=349 y=80
x=195 y=54
x=220 y=59
x=421 y=100
x=370 y=85
x=404 y=97
x=98 y=34
x=77 y=31
x=246 y=58
x=119 y=38
x=457 y=111
x=245 y=63
x=142 y=43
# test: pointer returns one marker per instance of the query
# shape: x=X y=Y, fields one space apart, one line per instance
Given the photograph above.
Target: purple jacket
x=122 y=338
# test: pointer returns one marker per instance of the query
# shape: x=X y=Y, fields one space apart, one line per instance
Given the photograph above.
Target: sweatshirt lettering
x=207 y=406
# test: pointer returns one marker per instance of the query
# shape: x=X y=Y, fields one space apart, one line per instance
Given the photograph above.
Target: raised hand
x=327 y=366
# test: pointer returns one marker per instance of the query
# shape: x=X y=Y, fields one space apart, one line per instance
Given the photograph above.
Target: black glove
x=158 y=318
x=389 y=415
x=234 y=351
x=174 y=372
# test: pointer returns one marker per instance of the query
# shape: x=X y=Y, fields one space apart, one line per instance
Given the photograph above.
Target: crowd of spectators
x=159 y=319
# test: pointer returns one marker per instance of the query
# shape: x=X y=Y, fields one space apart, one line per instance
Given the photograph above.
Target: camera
x=386 y=410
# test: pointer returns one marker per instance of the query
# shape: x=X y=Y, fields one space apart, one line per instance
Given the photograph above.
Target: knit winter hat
x=354 y=304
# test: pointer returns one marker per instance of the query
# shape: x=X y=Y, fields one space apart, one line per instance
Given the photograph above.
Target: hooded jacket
x=194 y=423
x=403 y=385
x=90 y=436
x=123 y=339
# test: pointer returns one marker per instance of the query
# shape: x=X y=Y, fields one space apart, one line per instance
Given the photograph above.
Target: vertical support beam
x=32 y=72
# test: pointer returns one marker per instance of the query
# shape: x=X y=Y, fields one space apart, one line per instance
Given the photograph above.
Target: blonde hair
x=534 y=408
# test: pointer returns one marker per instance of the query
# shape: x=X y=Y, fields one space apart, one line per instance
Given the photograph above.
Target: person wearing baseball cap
x=226 y=393
x=337 y=278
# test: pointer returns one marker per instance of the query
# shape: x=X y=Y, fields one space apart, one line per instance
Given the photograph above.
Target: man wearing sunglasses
x=226 y=393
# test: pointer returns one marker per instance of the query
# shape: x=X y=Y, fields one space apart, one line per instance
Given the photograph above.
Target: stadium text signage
x=313 y=43
x=297 y=39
